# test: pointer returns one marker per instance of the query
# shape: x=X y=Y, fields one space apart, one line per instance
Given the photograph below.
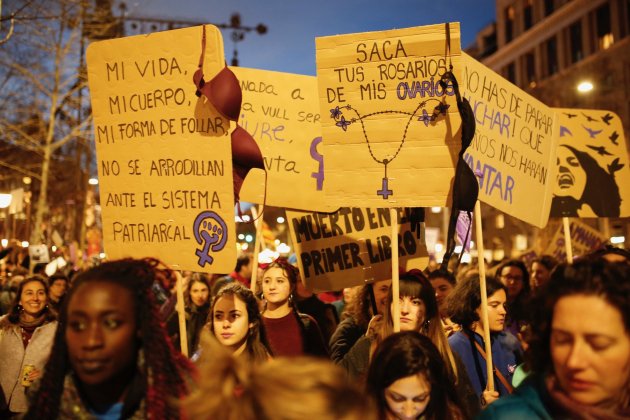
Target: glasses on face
x=512 y=277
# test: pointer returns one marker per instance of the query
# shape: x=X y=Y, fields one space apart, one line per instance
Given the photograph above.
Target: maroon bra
x=224 y=93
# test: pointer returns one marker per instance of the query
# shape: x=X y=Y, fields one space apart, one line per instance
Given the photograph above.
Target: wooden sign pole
x=393 y=214
x=484 y=296
x=181 y=314
x=567 y=239
x=258 y=246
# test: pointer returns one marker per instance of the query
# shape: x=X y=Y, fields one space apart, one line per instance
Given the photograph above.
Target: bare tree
x=42 y=76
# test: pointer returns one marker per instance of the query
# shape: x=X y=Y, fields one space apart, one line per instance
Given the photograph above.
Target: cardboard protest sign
x=353 y=246
x=391 y=131
x=164 y=157
x=514 y=147
x=593 y=177
x=584 y=239
x=281 y=112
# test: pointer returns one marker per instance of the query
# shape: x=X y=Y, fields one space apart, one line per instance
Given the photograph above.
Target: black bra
x=465 y=184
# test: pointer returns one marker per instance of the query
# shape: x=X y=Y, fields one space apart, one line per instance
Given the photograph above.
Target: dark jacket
x=529 y=401
x=313 y=339
x=324 y=313
x=346 y=334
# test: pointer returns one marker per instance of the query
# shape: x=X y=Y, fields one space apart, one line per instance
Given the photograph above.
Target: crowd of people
x=104 y=343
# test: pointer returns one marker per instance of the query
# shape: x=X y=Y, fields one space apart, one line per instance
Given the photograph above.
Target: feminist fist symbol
x=211 y=233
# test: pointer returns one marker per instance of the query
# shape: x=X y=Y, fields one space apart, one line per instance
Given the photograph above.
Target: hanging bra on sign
x=465 y=184
x=224 y=93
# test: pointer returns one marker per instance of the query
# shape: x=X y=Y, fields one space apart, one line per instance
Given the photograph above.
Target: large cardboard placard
x=584 y=240
x=593 y=177
x=281 y=112
x=514 y=146
x=391 y=132
x=353 y=246
x=164 y=155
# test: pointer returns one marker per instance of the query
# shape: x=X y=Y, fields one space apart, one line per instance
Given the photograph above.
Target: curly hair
x=14 y=313
x=465 y=299
x=410 y=353
x=594 y=277
x=360 y=307
x=257 y=346
x=166 y=369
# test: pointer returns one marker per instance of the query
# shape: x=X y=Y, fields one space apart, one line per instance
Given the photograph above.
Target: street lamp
x=585 y=86
x=5 y=200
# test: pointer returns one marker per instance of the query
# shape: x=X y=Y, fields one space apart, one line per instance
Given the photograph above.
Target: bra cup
x=245 y=150
x=467 y=189
x=225 y=94
x=468 y=123
x=238 y=177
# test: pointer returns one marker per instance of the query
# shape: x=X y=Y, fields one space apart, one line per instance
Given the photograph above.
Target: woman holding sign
x=289 y=332
x=465 y=309
x=111 y=356
x=579 y=352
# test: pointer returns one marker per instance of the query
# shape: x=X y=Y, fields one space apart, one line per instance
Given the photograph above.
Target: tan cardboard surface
x=163 y=154
x=514 y=146
x=584 y=239
x=378 y=91
x=281 y=112
x=593 y=178
x=352 y=246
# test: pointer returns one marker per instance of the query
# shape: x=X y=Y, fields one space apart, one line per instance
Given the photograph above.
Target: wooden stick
x=393 y=214
x=567 y=239
x=181 y=314
x=258 y=245
x=484 y=297
x=605 y=223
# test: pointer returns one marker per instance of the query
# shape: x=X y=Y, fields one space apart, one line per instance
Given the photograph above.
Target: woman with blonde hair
x=282 y=389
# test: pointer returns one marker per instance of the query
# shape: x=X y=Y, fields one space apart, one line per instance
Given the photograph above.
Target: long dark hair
x=414 y=284
x=163 y=364
x=519 y=307
x=257 y=346
x=14 y=313
x=601 y=191
x=196 y=278
x=410 y=353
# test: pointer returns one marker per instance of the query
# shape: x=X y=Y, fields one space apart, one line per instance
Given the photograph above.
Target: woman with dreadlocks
x=289 y=332
x=111 y=356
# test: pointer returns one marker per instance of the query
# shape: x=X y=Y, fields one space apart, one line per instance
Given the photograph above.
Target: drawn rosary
x=341 y=122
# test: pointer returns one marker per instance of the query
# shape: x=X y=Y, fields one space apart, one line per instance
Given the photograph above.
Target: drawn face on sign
x=571 y=176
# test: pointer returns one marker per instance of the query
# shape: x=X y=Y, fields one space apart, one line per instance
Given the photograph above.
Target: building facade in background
x=548 y=48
